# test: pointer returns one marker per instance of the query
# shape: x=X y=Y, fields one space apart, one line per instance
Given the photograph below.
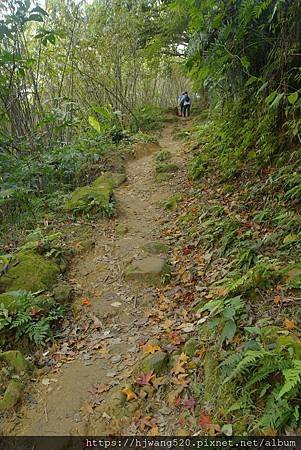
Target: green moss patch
x=161 y=177
x=95 y=199
x=98 y=197
x=16 y=375
x=110 y=178
x=166 y=168
x=173 y=201
x=29 y=271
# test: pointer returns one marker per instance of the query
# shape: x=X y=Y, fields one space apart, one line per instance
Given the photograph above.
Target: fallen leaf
x=277 y=299
x=201 y=352
x=237 y=339
x=116 y=304
x=177 y=400
x=86 y=302
x=104 y=350
x=86 y=410
x=130 y=395
x=289 y=324
x=167 y=325
x=187 y=327
x=145 y=378
x=154 y=431
x=178 y=368
x=102 y=388
x=182 y=380
x=221 y=292
x=183 y=357
x=149 y=348
x=175 y=338
x=204 y=421
x=189 y=403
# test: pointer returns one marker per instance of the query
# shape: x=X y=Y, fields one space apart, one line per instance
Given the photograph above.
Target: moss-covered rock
x=156 y=363
x=173 y=201
x=166 y=168
x=62 y=293
x=96 y=199
x=151 y=269
x=29 y=271
x=11 y=395
x=21 y=369
x=16 y=361
x=110 y=178
x=155 y=247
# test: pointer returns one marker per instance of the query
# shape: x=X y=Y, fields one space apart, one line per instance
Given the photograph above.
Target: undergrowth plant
x=268 y=374
x=32 y=319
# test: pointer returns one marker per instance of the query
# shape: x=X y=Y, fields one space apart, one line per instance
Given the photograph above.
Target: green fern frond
x=250 y=359
x=270 y=365
x=292 y=378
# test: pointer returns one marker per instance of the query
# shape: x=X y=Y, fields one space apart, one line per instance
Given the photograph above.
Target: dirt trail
x=59 y=401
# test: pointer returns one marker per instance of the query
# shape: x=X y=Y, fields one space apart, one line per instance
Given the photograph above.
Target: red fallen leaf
x=86 y=302
x=145 y=378
x=175 y=338
x=205 y=421
x=187 y=250
x=177 y=400
x=147 y=421
x=189 y=403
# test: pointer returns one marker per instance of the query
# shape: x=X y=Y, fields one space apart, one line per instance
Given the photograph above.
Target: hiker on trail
x=186 y=104
x=181 y=104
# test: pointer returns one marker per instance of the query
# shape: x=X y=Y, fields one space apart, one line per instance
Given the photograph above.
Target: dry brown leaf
x=277 y=299
x=289 y=324
x=182 y=380
x=102 y=388
x=130 y=394
x=86 y=410
x=154 y=431
x=201 y=352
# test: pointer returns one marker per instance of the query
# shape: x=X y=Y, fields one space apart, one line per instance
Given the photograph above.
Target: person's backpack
x=187 y=99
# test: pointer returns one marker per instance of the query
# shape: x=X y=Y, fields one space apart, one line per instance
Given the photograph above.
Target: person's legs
x=185 y=111
x=182 y=109
x=188 y=110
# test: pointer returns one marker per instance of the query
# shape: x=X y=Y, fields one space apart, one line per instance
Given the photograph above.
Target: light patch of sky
x=43 y=2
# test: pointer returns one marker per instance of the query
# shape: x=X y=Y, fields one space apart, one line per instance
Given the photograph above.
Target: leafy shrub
x=149 y=117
